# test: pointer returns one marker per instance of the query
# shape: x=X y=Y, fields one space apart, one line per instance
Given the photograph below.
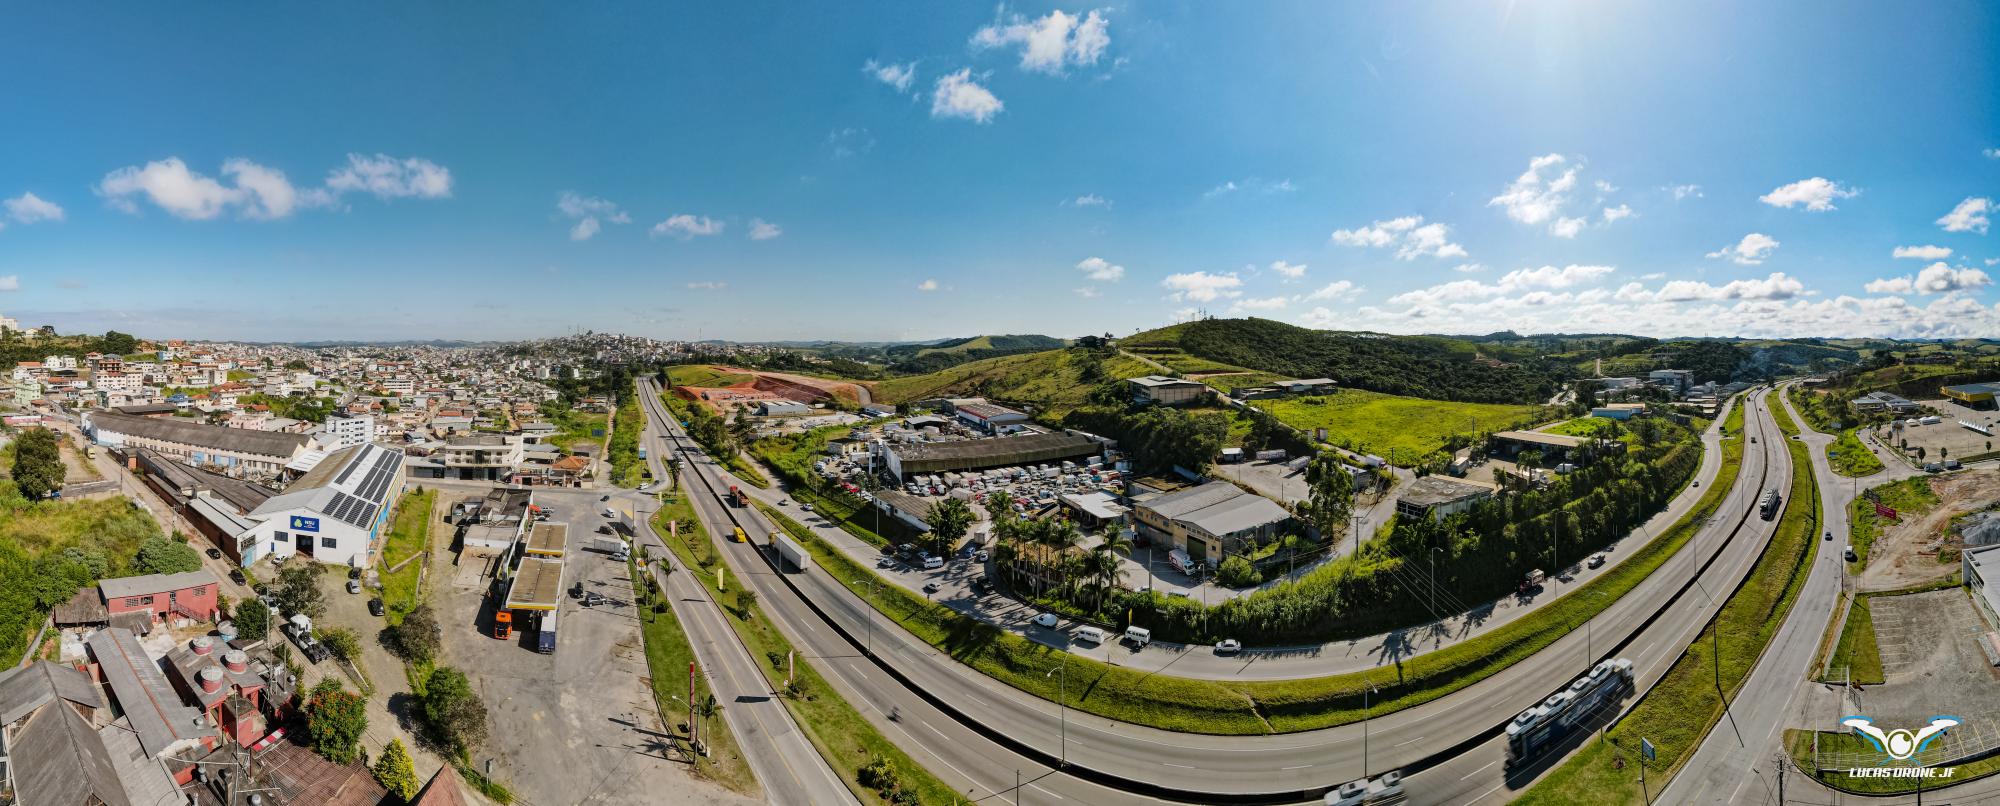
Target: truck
x=1767 y=507
x=546 y=642
x=790 y=553
x=736 y=497
x=642 y=452
x=609 y=545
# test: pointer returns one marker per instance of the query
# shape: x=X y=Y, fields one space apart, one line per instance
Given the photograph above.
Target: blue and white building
x=335 y=514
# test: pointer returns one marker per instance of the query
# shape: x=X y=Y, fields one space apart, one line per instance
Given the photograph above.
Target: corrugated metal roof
x=181 y=431
x=153 y=707
x=24 y=689
x=120 y=587
x=57 y=758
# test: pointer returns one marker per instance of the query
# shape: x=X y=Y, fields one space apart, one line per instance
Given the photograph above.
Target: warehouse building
x=980 y=454
x=1165 y=391
x=1973 y=395
x=1210 y=521
x=234 y=452
x=1437 y=498
x=333 y=514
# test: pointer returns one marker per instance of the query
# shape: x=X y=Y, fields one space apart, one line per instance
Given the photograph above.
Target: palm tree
x=948 y=518
x=1060 y=536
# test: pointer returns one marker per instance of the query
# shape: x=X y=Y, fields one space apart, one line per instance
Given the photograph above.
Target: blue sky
x=918 y=170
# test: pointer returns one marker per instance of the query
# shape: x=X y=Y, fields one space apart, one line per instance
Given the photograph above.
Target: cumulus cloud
x=761 y=230
x=589 y=213
x=1937 y=278
x=1089 y=292
x=1338 y=290
x=1567 y=227
x=1409 y=234
x=957 y=95
x=1615 y=213
x=29 y=208
x=1680 y=192
x=1750 y=251
x=1968 y=216
x=1816 y=194
x=895 y=75
x=1088 y=200
x=1539 y=194
x=1778 y=286
x=1201 y=286
x=928 y=285
x=388 y=177
x=1518 y=280
x=1101 y=270
x=1469 y=268
x=1992 y=153
x=258 y=192
x=1923 y=252
x=1287 y=270
x=684 y=226
x=1052 y=43
x=1258 y=304
x=172 y=187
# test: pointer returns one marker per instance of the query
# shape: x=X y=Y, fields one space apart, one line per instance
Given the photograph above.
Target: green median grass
x=847 y=740
x=1261 y=707
x=1685 y=704
x=1850 y=458
x=667 y=657
x=1856 y=658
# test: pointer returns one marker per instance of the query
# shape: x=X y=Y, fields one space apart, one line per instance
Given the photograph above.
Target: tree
x=949 y=519
x=418 y=637
x=253 y=620
x=335 y=720
x=164 y=555
x=298 y=590
x=395 y=771
x=745 y=600
x=38 y=466
x=341 y=641
x=456 y=716
x=117 y=343
x=1237 y=572
x=297 y=365
x=1329 y=495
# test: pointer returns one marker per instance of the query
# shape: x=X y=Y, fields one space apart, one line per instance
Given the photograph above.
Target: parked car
x=375 y=607
x=981 y=556
x=1850 y=555
x=930 y=587
x=353 y=573
x=1228 y=646
x=354 y=586
x=215 y=554
x=236 y=576
x=1597 y=560
x=1090 y=635
x=1046 y=620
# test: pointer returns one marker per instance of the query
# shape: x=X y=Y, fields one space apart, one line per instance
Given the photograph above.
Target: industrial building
x=333 y=514
x=1897 y=404
x=980 y=454
x=1209 y=521
x=235 y=452
x=1973 y=395
x=1165 y=391
x=1437 y=498
x=1555 y=448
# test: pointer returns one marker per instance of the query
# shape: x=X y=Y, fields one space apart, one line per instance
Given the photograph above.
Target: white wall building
x=334 y=514
x=349 y=430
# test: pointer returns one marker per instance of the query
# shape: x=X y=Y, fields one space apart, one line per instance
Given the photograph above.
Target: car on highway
x=215 y=554
x=784 y=502
x=1597 y=560
x=1228 y=646
x=1046 y=620
x=806 y=507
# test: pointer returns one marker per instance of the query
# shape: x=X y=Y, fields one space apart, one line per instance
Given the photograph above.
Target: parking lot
x=1932 y=664
x=1947 y=438
x=577 y=726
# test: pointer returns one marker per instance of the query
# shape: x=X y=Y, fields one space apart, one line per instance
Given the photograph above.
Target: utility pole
x=1062 y=708
x=1367 y=688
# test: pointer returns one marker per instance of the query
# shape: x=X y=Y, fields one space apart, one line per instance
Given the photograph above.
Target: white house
x=348 y=430
x=334 y=514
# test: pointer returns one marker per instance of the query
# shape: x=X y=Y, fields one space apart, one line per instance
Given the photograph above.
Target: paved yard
x=1932 y=665
x=578 y=726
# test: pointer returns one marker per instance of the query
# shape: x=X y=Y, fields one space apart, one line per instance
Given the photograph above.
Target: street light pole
x=868 y=613
x=1062 y=706
x=1368 y=688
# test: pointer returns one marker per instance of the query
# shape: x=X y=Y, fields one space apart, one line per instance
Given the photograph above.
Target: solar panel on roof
x=349 y=469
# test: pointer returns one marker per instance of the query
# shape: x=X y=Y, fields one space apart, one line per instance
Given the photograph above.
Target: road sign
x=1885 y=510
x=1646 y=750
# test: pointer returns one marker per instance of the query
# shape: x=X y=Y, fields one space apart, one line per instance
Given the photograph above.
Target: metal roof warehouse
x=537 y=585
x=979 y=454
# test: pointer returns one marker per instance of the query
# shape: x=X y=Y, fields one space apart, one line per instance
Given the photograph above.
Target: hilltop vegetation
x=1056 y=379
x=1417 y=366
x=1402 y=429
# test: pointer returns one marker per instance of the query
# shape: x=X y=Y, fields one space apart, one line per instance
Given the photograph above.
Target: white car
x=1596 y=560
x=1046 y=620
x=1228 y=646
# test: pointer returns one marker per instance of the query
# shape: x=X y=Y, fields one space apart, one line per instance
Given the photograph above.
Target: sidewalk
x=1271 y=663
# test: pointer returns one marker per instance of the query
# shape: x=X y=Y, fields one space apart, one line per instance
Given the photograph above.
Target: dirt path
x=1906 y=553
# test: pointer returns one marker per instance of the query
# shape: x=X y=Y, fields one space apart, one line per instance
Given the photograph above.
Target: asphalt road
x=1013 y=725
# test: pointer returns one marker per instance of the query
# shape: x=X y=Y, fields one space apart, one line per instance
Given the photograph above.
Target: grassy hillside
x=704 y=375
x=1433 y=367
x=1008 y=342
x=1052 y=378
x=1407 y=427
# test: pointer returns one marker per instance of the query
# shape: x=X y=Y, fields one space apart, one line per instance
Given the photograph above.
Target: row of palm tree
x=1042 y=549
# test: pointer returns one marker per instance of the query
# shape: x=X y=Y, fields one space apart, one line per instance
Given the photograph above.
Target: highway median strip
x=668 y=655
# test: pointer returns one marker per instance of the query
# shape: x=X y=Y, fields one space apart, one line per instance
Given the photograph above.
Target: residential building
x=481 y=457
x=164 y=597
x=334 y=514
x=1165 y=391
x=1210 y=521
x=348 y=430
x=1437 y=498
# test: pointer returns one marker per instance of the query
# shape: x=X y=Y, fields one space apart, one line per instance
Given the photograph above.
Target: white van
x=1139 y=635
x=1090 y=635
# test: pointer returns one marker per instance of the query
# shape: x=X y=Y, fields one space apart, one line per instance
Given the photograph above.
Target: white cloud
x=1089 y=292
x=1201 y=286
x=684 y=226
x=1469 y=268
x=1992 y=153
x=388 y=177
x=1683 y=191
x=1186 y=314
x=1088 y=200
x=1252 y=183
x=1778 y=286
x=1338 y=290
x=848 y=142
x=1993 y=261
x=761 y=230
x=1658 y=275
x=1567 y=227
x=1052 y=43
x=1937 y=278
x=1258 y=304
x=707 y=285
x=11 y=282
x=1545 y=277
x=895 y=75
x=1409 y=234
x=1533 y=199
x=589 y=213
x=928 y=285
x=958 y=96
x=1287 y=270
x=1968 y=216
x=29 y=208
x=1605 y=187
x=1750 y=251
x=1101 y=270
x=1552 y=277
x=169 y=185
x=1615 y=213
x=1923 y=252
x=1816 y=194
x=1226 y=187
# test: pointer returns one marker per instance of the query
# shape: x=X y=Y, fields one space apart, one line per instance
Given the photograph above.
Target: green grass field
x=1910 y=497
x=1228 y=707
x=1680 y=710
x=1052 y=378
x=1856 y=656
x=705 y=375
x=1850 y=458
x=1409 y=427
x=1581 y=427
x=409 y=535
x=846 y=739
x=1800 y=743
x=576 y=427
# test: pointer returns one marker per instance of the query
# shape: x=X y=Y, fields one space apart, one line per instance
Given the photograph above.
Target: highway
x=1015 y=730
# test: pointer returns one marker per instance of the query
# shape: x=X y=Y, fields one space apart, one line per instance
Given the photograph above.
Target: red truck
x=736 y=497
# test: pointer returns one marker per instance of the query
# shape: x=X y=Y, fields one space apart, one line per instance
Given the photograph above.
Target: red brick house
x=190 y=595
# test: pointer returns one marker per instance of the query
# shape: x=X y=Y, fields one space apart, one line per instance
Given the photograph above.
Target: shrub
x=1237 y=572
x=253 y=620
x=164 y=555
x=452 y=710
x=342 y=642
x=418 y=637
x=335 y=720
x=395 y=771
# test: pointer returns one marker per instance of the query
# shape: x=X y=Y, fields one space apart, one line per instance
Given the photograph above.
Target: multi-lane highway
x=990 y=729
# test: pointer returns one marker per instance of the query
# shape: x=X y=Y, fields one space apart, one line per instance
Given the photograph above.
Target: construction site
x=770 y=393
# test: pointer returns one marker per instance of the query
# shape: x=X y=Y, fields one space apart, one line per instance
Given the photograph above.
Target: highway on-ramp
x=1004 y=728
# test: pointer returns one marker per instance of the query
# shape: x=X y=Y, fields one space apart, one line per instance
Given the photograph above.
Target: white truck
x=790 y=552
x=610 y=545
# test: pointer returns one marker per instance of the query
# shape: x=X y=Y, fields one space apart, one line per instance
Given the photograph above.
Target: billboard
x=301 y=523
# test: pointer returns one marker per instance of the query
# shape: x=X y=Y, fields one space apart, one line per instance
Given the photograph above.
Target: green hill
x=1055 y=379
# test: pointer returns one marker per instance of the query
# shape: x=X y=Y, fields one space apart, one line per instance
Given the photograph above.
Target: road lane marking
x=1478 y=771
x=1299 y=767
x=1412 y=741
x=1482 y=796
